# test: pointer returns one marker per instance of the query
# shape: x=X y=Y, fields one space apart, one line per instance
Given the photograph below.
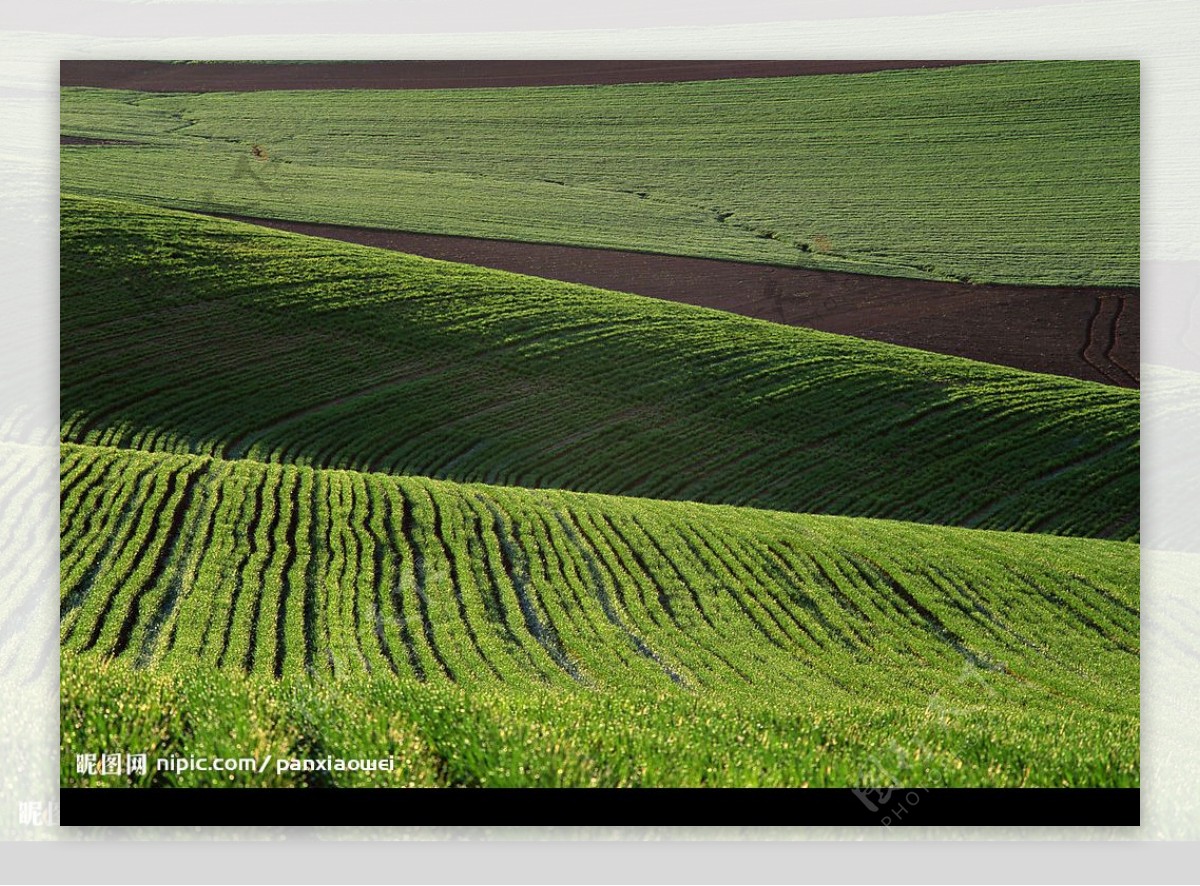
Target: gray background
x=1161 y=33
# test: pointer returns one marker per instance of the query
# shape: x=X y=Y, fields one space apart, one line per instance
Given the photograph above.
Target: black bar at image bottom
x=778 y=807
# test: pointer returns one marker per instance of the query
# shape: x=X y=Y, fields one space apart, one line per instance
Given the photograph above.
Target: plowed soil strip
x=1036 y=328
x=444 y=74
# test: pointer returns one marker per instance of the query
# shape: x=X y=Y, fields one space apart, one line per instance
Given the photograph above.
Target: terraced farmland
x=189 y=334
x=321 y=499
x=173 y=562
x=1021 y=172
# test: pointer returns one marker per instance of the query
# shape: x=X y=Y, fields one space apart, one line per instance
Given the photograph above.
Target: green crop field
x=323 y=499
x=190 y=334
x=486 y=632
x=1018 y=172
x=204 y=535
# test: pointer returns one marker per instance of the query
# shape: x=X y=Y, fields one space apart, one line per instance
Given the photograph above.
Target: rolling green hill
x=321 y=499
x=1015 y=172
x=490 y=635
x=188 y=334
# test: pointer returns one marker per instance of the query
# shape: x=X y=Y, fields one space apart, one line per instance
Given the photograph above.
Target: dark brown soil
x=249 y=77
x=1087 y=333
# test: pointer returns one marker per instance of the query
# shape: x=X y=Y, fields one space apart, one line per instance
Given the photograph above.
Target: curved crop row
x=284 y=570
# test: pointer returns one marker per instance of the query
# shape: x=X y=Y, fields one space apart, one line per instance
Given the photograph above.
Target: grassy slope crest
x=187 y=334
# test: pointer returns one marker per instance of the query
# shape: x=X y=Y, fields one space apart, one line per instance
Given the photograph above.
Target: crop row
x=173 y=561
x=193 y=335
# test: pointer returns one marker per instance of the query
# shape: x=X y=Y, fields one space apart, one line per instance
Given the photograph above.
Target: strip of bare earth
x=445 y=74
x=1036 y=328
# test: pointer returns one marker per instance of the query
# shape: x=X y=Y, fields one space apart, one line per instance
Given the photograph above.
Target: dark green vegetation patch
x=188 y=334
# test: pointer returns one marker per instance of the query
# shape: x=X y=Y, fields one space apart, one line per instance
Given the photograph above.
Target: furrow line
x=421 y=576
x=397 y=592
x=442 y=534
x=597 y=570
